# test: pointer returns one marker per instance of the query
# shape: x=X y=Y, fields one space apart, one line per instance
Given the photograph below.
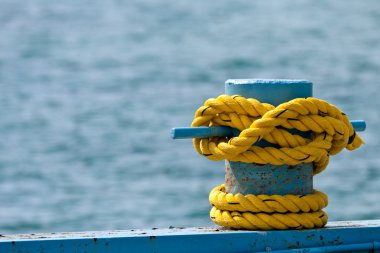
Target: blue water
x=90 y=89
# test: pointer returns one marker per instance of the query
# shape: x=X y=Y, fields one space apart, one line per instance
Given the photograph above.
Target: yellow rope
x=331 y=129
x=331 y=132
x=268 y=204
x=264 y=221
x=267 y=212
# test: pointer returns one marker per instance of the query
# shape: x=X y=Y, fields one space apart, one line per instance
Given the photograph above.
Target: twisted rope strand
x=263 y=212
x=264 y=221
x=268 y=204
x=330 y=127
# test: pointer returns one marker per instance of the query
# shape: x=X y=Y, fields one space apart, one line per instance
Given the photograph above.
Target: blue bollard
x=247 y=178
x=267 y=179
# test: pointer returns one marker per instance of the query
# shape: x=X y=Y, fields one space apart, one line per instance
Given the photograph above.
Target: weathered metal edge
x=193 y=239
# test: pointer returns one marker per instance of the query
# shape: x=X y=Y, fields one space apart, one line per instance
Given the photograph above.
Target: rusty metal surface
x=114 y=233
x=249 y=178
x=168 y=231
x=334 y=235
x=268 y=179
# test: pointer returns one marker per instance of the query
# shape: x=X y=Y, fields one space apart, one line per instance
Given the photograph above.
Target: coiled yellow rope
x=331 y=132
x=267 y=212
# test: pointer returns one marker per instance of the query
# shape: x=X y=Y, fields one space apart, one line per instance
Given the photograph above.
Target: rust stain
x=152 y=238
x=294 y=246
x=336 y=241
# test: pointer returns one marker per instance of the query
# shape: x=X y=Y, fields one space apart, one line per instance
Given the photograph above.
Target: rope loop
x=265 y=212
x=327 y=130
x=264 y=221
x=268 y=204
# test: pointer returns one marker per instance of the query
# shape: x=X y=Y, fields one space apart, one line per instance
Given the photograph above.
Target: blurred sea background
x=89 y=91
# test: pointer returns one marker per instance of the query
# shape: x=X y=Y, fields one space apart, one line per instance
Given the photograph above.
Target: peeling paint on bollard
x=248 y=178
x=269 y=179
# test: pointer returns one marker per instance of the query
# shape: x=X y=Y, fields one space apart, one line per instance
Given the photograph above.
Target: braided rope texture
x=267 y=212
x=330 y=132
x=330 y=127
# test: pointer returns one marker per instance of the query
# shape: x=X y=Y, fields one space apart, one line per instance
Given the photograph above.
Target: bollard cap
x=272 y=91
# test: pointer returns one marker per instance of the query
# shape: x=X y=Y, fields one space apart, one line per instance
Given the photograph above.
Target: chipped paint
x=268 y=179
x=249 y=178
x=180 y=239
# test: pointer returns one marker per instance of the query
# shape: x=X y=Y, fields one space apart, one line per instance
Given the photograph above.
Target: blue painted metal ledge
x=344 y=236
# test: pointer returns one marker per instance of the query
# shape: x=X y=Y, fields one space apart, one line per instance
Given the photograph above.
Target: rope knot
x=303 y=130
